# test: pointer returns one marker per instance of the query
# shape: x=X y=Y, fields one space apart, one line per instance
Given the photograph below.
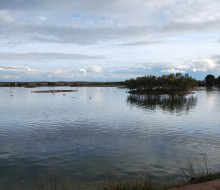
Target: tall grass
x=51 y=183
x=193 y=172
x=196 y=172
x=136 y=183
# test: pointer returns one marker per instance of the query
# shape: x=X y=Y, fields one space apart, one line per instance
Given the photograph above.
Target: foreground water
x=98 y=133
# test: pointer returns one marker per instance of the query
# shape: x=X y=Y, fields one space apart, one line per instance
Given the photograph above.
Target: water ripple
x=111 y=134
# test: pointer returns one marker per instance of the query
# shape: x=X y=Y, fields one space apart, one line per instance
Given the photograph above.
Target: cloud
x=24 y=72
x=83 y=71
x=173 y=71
x=19 y=4
x=9 y=73
x=91 y=69
x=195 y=65
x=9 y=77
x=94 y=69
x=15 y=68
x=216 y=57
x=84 y=22
x=50 y=56
x=59 y=73
x=120 y=11
x=6 y=17
x=91 y=35
x=70 y=74
x=144 y=42
x=203 y=65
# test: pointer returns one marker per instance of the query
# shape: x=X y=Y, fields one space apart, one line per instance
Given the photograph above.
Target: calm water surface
x=99 y=133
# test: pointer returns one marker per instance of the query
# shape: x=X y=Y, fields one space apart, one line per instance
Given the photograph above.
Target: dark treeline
x=174 y=84
x=210 y=80
x=52 y=84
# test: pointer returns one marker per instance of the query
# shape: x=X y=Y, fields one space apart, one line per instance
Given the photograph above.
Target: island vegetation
x=52 y=91
x=172 y=84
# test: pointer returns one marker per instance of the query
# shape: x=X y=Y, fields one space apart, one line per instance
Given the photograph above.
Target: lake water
x=98 y=133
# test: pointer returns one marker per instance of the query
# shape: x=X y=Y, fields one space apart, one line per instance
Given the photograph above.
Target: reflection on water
x=173 y=104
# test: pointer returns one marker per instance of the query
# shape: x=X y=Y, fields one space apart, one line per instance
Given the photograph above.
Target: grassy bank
x=137 y=183
x=193 y=172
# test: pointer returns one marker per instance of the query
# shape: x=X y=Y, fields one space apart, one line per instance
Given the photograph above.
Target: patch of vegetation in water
x=172 y=84
x=53 y=91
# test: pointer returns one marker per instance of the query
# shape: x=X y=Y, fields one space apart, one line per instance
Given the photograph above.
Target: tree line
x=210 y=80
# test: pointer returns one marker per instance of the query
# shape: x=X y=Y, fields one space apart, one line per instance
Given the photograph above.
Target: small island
x=52 y=91
x=172 y=84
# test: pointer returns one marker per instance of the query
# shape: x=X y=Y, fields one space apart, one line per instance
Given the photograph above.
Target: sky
x=108 y=40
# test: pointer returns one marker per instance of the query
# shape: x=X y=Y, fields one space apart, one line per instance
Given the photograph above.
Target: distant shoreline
x=61 y=84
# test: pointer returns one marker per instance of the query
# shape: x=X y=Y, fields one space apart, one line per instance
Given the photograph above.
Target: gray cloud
x=40 y=56
x=6 y=17
x=15 y=68
x=81 y=36
x=139 y=43
x=83 y=22
x=203 y=65
x=7 y=67
x=203 y=26
x=19 y=4
x=179 y=10
x=86 y=35
x=9 y=73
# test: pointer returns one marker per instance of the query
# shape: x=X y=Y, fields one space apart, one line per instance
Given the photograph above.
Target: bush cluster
x=172 y=83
